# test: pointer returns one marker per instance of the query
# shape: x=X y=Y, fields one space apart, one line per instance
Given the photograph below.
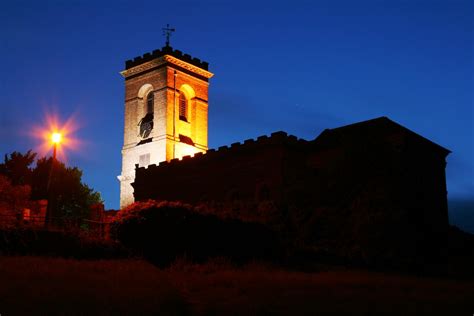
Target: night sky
x=300 y=67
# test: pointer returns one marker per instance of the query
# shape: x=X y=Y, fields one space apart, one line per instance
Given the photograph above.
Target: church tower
x=166 y=106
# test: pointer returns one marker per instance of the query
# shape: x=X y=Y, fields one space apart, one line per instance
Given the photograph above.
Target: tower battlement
x=166 y=50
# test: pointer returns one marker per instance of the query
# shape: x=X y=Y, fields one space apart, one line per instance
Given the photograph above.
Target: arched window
x=183 y=107
x=149 y=103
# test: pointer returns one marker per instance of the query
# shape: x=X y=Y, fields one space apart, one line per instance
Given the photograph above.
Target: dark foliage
x=165 y=231
x=17 y=167
x=57 y=244
x=67 y=194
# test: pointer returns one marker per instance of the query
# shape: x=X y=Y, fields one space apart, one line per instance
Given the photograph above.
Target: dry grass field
x=53 y=286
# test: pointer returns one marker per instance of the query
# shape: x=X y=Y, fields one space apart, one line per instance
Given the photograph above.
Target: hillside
x=73 y=287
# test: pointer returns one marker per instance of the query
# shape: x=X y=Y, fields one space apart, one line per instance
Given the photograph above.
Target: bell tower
x=166 y=107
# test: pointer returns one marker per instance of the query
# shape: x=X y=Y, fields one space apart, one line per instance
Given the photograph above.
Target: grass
x=52 y=286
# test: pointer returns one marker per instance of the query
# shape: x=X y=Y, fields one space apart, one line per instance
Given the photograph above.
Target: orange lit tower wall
x=166 y=111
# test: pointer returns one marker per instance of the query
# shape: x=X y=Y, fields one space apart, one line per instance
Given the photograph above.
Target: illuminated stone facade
x=166 y=111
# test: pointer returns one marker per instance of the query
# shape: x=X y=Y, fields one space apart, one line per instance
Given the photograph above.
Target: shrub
x=27 y=241
x=163 y=231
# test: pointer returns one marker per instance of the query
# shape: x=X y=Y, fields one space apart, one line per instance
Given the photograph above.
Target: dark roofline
x=166 y=50
x=361 y=123
x=381 y=119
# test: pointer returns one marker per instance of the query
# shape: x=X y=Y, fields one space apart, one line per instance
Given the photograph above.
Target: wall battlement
x=166 y=50
x=276 y=138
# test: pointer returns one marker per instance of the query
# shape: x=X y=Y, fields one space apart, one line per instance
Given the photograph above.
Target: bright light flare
x=52 y=133
x=56 y=138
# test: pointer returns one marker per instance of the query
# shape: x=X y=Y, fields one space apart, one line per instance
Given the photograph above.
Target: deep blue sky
x=294 y=66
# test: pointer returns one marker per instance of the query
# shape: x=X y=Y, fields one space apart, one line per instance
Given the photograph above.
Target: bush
x=57 y=244
x=164 y=231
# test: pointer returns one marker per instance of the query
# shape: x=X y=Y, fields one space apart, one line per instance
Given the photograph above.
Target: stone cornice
x=162 y=60
x=188 y=66
x=143 y=67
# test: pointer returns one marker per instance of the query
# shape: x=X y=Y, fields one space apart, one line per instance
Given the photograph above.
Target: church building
x=370 y=175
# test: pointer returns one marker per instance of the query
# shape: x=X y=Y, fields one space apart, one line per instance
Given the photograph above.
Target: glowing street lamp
x=56 y=134
x=55 y=139
x=60 y=137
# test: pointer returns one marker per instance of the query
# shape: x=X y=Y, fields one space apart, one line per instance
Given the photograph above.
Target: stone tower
x=166 y=106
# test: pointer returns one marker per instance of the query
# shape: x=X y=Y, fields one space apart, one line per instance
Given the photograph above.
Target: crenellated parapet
x=167 y=50
x=279 y=138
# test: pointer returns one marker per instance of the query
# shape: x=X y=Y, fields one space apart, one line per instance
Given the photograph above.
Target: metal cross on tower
x=167 y=32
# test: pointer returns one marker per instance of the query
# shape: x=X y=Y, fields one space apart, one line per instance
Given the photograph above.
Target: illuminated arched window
x=149 y=103
x=183 y=107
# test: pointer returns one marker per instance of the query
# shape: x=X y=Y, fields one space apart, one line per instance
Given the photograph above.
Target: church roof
x=376 y=127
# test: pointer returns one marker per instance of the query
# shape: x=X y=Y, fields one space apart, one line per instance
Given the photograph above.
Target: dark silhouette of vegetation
x=17 y=167
x=67 y=194
x=164 y=231
x=57 y=286
x=63 y=244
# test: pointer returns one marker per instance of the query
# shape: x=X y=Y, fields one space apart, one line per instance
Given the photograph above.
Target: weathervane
x=167 y=32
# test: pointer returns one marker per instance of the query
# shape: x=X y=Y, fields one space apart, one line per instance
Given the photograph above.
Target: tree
x=67 y=195
x=17 y=167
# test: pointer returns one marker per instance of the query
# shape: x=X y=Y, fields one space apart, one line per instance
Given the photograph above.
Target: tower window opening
x=149 y=103
x=183 y=107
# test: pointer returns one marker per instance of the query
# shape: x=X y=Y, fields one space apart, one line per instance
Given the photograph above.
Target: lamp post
x=56 y=140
